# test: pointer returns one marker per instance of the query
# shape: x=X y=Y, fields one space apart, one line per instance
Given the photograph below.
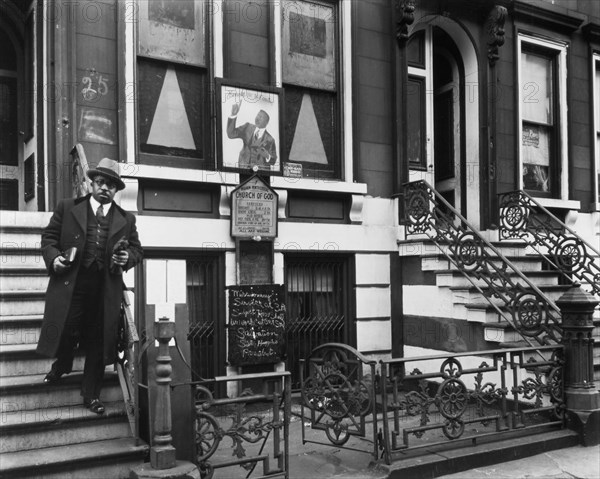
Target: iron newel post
x=577 y=309
x=582 y=398
x=162 y=453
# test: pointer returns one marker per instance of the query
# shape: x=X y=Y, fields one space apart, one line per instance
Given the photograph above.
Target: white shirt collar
x=259 y=132
x=95 y=205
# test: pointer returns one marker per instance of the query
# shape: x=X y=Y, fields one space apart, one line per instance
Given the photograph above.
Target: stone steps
x=27 y=393
x=45 y=429
x=112 y=458
x=61 y=425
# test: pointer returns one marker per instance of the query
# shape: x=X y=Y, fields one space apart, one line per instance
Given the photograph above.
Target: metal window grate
x=205 y=331
x=317 y=305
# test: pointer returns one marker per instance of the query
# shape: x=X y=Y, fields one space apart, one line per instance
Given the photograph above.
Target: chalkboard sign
x=256 y=324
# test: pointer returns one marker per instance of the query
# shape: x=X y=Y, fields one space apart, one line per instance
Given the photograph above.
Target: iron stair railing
x=522 y=217
x=523 y=305
x=127 y=363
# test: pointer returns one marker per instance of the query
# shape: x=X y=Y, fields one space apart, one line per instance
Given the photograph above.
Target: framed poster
x=173 y=30
x=309 y=30
x=249 y=128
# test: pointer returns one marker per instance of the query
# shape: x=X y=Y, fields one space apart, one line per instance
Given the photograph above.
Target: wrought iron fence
x=428 y=401
x=514 y=297
x=522 y=217
x=339 y=396
x=257 y=424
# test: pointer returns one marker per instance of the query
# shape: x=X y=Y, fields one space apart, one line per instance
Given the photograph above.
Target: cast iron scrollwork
x=336 y=392
x=522 y=304
x=522 y=217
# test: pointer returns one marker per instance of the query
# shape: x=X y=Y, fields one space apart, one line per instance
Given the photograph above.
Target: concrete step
x=471 y=295
x=58 y=426
x=112 y=458
x=22 y=360
x=27 y=393
x=21 y=238
x=23 y=220
x=501 y=332
x=22 y=258
x=440 y=262
x=445 y=278
x=20 y=329
x=24 y=302
x=454 y=458
x=23 y=278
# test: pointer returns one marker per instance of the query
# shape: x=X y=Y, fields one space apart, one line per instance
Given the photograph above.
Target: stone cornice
x=591 y=31
x=546 y=18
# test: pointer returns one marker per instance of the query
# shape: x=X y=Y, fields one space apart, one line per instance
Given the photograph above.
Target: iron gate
x=317 y=300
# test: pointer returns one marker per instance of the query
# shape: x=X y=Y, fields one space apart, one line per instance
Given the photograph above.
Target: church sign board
x=256 y=324
x=254 y=210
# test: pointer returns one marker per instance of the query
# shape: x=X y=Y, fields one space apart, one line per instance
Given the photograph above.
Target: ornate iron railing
x=430 y=400
x=338 y=395
x=251 y=421
x=127 y=363
x=521 y=304
x=522 y=217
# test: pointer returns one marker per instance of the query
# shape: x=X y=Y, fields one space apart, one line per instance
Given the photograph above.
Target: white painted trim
x=179 y=174
x=277 y=32
x=561 y=56
x=130 y=86
x=596 y=120
x=558 y=203
x=216 y=9
x=42 y=89
x=346 y=88
x=316 y=184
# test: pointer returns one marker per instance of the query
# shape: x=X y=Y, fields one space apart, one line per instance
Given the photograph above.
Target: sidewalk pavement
x=571 y=462
x=316 y=461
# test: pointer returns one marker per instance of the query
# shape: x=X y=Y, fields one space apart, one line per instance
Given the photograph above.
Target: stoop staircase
x=457 y=298
x=502 y=293
x=45 y=431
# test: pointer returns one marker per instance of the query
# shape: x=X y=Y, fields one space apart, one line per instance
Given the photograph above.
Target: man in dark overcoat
x=84 y=292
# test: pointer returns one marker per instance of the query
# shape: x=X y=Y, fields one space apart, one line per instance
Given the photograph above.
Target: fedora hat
x=109 y=169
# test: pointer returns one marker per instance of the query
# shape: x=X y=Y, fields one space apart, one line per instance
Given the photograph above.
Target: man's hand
x=120 y=258
x=60 y=265
x=235 y=108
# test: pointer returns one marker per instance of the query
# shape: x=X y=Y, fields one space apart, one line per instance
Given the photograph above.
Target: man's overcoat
x=67 y=228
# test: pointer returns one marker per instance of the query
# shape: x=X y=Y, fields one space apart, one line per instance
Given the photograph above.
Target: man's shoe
x=94 y=405
x=53 y=376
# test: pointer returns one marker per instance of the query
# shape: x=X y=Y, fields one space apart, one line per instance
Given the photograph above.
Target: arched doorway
x=443 y=106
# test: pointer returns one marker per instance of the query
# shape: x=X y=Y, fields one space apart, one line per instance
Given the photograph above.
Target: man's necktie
x=100 y=213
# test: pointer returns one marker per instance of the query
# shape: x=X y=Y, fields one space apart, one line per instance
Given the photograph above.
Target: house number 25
x=89 y=92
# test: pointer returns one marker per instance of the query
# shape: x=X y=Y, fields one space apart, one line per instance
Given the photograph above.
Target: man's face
x=261 y=119
x=103 y=189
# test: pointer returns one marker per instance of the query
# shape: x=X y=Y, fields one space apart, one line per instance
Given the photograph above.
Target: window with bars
x=206 y=332
x=318 y=306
